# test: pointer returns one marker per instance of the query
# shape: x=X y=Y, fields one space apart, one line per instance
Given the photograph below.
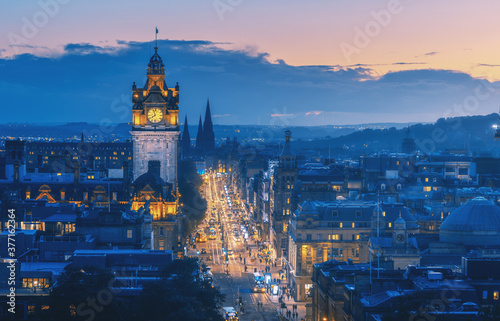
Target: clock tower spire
x=155 y=123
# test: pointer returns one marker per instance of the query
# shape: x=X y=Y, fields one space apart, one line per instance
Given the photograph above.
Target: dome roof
x=478 y=214
x=477 y=222
x=156 y=65
x=400 y=220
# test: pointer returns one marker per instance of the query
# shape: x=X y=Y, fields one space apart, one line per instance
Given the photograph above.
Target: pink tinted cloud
x=282 y=115
x=314 y=113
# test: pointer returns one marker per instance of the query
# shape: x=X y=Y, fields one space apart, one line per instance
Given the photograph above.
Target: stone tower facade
x=155 y=124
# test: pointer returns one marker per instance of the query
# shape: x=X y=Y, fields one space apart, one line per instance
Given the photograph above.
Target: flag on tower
x=156 y=38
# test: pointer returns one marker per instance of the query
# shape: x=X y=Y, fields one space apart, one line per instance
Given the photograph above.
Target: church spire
x=186 y=139
x=199 y=137
x=208 y=129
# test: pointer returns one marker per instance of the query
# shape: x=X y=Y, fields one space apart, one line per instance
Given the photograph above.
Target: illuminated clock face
x=400 y=237
x=155 y=115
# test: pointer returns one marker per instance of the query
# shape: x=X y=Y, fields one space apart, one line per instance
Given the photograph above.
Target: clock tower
x=155 y=123
x=400 y=234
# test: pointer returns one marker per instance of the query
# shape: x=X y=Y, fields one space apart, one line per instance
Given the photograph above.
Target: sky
x=281 y=62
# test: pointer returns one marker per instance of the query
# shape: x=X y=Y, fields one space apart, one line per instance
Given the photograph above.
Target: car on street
x=259 y=288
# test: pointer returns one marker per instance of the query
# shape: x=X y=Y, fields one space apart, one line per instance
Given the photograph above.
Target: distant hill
x=472 y=133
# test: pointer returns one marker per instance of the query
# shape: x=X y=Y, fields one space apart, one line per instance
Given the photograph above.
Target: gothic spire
x=208 y=129
x=199 y=137
x=186 y=138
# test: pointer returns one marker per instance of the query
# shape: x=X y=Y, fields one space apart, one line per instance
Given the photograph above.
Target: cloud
x=86 y=48
x=432 y=53
x=314 y=113
x=282 y=115
x=409 y=63
x=487 y=65
x=84 y=81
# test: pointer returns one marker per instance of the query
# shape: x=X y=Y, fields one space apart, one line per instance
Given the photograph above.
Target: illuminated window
x=129 y=234
x=287 y=212
x=29 y=283
x=495 y=295
x=288 y=201
x=334 y=237
x=427 y=188
x=341 y=224
x=390 y=224
x=353 y=224
x=383 y=213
